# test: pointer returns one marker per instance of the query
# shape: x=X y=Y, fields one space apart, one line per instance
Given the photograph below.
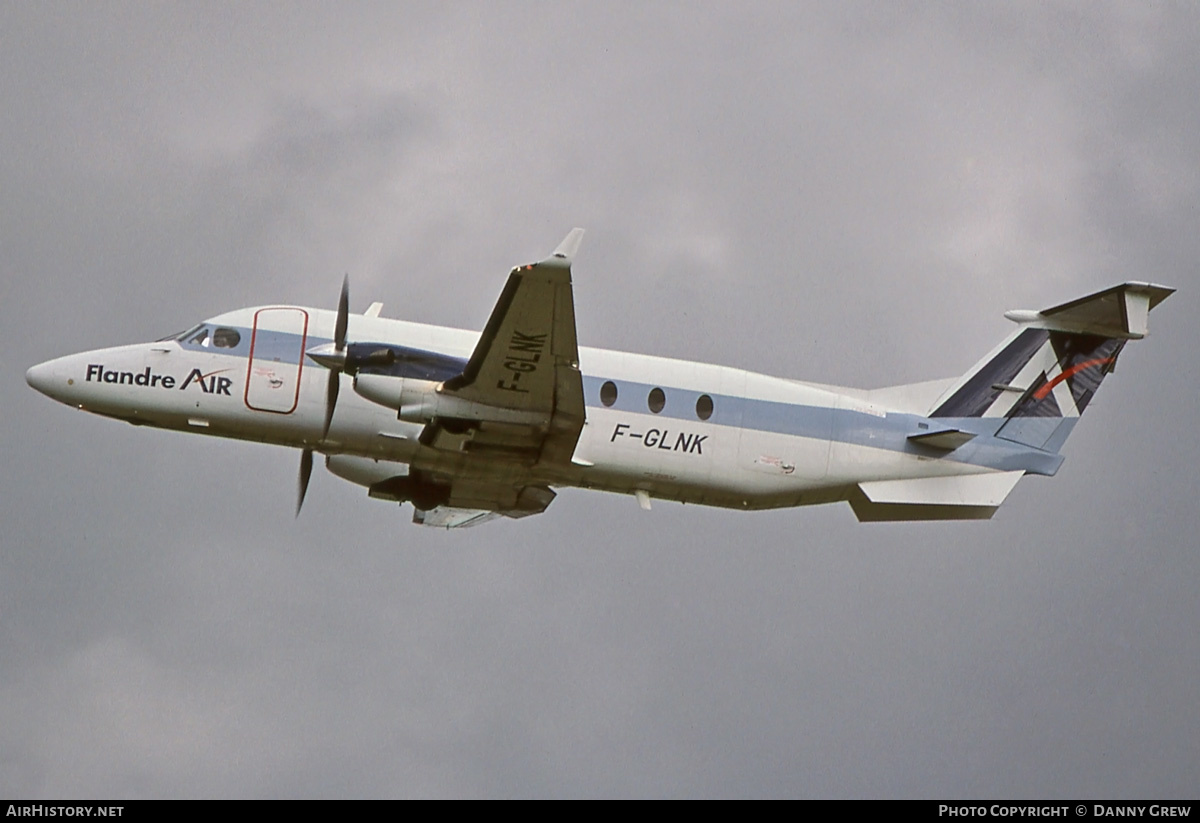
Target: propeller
x=333 y=355
x=339 y=344
x=306 y=464
x=338 y=359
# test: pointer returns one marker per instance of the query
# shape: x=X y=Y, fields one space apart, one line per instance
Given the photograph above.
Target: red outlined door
x=276 y=359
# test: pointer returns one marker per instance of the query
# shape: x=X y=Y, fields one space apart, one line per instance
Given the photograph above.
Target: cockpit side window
x=200 y=338
x=226 y=338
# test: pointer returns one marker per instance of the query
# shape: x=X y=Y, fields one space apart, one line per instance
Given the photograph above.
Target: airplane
x=468 y=427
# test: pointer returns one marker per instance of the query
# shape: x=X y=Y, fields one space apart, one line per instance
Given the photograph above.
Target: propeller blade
x=331 y=393
x=337 y=362
x=343 y=315
x=306 y=464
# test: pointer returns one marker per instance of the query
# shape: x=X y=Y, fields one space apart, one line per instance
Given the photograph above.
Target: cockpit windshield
x=199 y=338
x=179 y=335
x=206 y=336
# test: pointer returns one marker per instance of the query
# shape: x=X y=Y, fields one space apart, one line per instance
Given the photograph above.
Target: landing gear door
x=276 y=359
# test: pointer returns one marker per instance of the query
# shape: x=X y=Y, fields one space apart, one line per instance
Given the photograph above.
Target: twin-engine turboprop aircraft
x=468 y=426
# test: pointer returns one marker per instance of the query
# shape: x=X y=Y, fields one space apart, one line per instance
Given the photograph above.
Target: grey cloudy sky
x=847 y=192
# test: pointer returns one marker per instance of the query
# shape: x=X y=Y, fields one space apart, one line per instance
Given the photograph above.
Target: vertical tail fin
x=1045 y=373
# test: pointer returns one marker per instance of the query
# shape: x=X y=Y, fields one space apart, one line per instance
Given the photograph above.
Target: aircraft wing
x=523 y=377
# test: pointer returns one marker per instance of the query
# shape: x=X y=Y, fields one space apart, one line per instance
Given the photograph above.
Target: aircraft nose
x=40 y=377
x=52 y=379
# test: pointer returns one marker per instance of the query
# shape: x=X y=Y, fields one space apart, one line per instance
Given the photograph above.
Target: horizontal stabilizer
x=1053 y=365
x=961 y=497
x=1121 y=311
x=946 y=439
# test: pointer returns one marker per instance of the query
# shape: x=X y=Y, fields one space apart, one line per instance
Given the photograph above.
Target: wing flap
x=447 y=517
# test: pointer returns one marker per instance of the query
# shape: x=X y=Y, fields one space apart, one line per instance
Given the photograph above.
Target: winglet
x=568 y=248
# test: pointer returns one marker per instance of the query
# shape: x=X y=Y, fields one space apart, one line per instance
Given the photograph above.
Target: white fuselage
x=472 y=426
x=766 y=442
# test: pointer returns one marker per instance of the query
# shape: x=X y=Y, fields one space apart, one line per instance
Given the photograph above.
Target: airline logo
x=211 y=383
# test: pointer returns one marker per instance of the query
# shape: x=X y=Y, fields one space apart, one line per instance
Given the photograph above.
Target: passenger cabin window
x=226 y=338
x=608 y=393
x=704 y=407
x=657 y=400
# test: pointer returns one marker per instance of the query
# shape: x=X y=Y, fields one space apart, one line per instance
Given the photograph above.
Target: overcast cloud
x=848 y=193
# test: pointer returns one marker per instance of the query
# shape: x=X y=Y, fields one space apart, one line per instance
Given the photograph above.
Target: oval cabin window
x=608 y=393
x=657 y=400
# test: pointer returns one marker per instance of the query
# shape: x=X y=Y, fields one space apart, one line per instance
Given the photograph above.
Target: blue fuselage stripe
x=887 y=431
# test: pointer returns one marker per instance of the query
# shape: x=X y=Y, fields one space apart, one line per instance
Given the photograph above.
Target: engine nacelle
x=364 y=471
x=386 y=480
x=396 y=392
x=421 y=401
